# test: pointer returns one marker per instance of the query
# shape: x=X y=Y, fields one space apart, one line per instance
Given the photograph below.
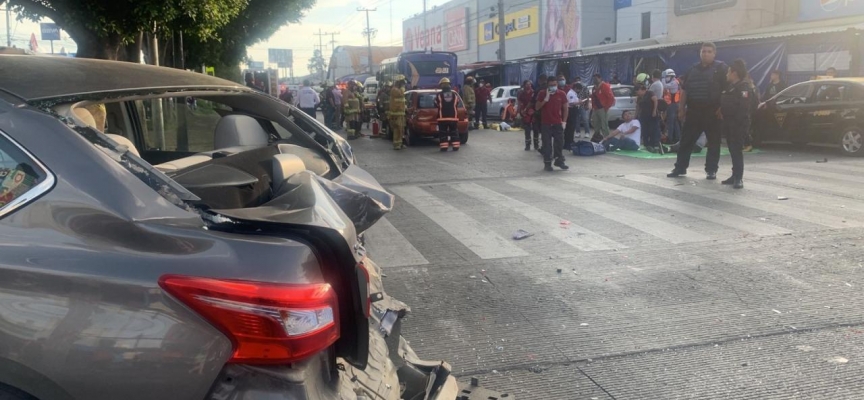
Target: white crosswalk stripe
x=664 y=230
x=389 y=248
x=811 y=201
x=473 y=235
x=575 y=236
x=683 y=207
x=815 y=172
x=807 y=184
x=747 y=199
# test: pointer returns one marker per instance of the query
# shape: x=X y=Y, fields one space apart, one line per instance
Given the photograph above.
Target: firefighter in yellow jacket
x=446 y=102
x=396 y=113
x=352 y=110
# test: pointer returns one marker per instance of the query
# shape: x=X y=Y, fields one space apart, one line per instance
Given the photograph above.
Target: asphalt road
x=634 y=286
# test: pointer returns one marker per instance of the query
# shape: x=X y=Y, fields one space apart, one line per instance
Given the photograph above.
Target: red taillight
x=268 y=323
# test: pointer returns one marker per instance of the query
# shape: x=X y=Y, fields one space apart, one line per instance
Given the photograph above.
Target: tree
x=317 y=65
x=258 y=21
x=104 y=28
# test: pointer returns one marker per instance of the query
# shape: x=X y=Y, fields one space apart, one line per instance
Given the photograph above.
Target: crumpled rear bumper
x=394 y=370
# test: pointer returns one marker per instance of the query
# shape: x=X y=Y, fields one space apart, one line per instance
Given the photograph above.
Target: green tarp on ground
x=645 y=154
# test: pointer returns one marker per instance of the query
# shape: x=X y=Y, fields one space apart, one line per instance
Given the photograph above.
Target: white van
x=370 y=89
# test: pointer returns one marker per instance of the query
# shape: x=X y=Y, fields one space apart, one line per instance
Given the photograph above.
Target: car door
x=825 y=116
x=784 y=115
x=497 y=101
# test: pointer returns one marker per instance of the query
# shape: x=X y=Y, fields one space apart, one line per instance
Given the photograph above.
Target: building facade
x=469 y=28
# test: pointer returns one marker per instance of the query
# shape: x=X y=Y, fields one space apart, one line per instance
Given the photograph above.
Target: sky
x=326 y=16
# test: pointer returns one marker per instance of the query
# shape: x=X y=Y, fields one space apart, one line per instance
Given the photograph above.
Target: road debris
x=782 y=198
x=822 y=161
x=559 y=270
x=521 y=234
x=564 y=222
x=778 y=312
x=837 y=360
x=805 y=348
x=583 y=324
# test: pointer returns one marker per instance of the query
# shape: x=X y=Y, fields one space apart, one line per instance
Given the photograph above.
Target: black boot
x=560 y=164
x=739 y=184
x=710 y=176
x=548 y=167
x=676 y=173
x=527 y=146
x=729 y=181
x=536 y=145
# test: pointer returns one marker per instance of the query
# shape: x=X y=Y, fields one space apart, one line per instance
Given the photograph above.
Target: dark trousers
x=650 y=131
x=310 y=111
x=529 y=129
x=698 y=120
x=480 y=113
x=553 y=142
x=448 y=134
x=570 y=129
x=736 y=133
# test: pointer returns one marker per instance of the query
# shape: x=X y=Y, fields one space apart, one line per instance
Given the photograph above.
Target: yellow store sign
x=520 y=23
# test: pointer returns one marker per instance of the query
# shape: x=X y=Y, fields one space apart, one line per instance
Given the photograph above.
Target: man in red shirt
x=602 y=100
x=552 y=105
x=482 y=93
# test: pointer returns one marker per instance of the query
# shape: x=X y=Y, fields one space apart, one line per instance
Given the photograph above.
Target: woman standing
x=526 y=94
x=735 y=112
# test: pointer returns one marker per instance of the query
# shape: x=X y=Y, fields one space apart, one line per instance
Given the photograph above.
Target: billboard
x=50 y=31
x=457 y=29
x=561 y=32
x=516 y=24
x=811 y=10
x=280 y=56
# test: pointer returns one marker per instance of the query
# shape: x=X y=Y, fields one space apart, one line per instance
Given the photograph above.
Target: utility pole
x=321 y=48
x=369 y=32
x=333 y=40
x=502 y=33
x=425 y=31
x=8 y=28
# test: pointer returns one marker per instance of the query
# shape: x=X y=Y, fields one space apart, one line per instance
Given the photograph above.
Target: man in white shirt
x=572 y=116
x=628 y=136
x=308 y=99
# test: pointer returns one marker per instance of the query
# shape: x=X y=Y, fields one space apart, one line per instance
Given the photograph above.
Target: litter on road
x=782 y=198
x=521 y=234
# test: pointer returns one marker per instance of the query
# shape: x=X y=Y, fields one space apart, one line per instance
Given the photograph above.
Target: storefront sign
x=457 y=30
x=516 y=24
x=823 y=9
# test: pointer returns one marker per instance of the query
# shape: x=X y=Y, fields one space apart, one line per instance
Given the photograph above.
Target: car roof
x=41 y=77
x=838 y=80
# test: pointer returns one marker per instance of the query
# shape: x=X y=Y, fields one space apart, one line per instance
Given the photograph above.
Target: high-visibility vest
x=444 y=107
x=672 y=98
x=397 y=103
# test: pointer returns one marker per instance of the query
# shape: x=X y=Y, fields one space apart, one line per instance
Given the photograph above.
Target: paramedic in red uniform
x=446 y=102
x=552 y=105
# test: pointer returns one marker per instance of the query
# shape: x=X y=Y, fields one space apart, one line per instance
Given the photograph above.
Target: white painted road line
x=473 y=235
x=661 y=229
x=389 y=248
x=813 y=171
x=575 y=236
x=683 y=207
x=807 y=184
x=748 y=199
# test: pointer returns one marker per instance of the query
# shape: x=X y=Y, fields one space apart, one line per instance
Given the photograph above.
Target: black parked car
x=822 y=111
x=171 y=235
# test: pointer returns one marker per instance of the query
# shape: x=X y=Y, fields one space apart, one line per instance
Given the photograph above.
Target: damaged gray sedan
x=170 y=235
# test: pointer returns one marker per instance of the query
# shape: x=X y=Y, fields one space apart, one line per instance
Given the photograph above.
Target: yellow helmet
x=443 y=81
x=399 y=77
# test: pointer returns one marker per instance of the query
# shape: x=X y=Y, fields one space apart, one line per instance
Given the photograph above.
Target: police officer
x=469 y=98
x=352 y=109
x=396 y=112
x=446 y=102
x=700 y=95
x=735 y=110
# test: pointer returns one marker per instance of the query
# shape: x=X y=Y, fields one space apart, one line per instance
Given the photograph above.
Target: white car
x=498 y=99
x=625 y=99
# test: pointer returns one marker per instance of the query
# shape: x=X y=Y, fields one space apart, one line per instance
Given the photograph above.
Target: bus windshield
x=432 y=68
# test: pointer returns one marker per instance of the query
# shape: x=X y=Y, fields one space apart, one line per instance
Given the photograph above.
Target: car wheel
x=852 y=141
x=406 y=138
x=463 y=138
x=10 y=393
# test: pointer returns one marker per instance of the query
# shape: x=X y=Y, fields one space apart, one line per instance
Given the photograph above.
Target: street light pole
x=502 y=33
x=8 y=28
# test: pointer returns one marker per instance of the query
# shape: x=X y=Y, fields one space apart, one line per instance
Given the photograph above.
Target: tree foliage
x=317 y=65
x=258 y=21
x=101 y=28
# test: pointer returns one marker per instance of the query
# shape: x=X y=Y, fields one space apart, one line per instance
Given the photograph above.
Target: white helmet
x=669 y=72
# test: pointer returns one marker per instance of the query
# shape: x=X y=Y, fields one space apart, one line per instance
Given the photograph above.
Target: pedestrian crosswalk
x=619 y=212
